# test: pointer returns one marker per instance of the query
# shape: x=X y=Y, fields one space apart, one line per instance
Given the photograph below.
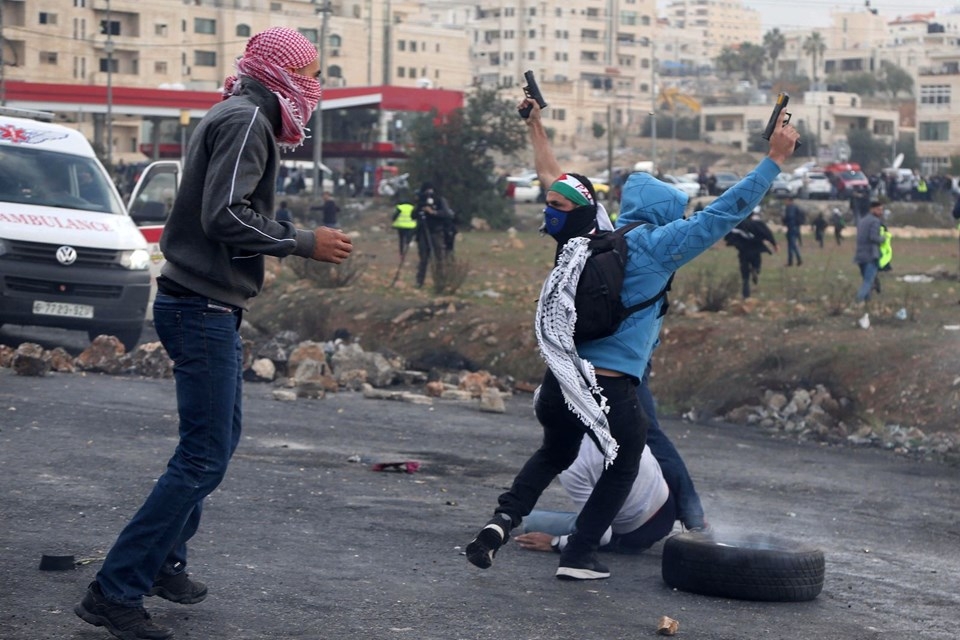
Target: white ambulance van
x=70 y=256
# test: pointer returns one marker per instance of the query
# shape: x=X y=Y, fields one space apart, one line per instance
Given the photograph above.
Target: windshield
x=852 y=175
x=46 y=178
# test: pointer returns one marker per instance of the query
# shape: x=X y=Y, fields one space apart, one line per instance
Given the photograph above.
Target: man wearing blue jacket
x=590 y=387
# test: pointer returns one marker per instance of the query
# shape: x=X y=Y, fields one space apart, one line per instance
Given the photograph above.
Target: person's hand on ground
x=535 y=541
x=332 y=245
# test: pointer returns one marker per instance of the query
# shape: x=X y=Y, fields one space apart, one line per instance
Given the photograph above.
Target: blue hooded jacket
x=660 y=247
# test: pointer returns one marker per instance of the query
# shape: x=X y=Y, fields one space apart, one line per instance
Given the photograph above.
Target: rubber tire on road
x=744 y=567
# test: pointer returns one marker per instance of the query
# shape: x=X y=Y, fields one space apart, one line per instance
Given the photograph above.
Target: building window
x=160 y=67
x=935 y=94
x=558 y=114
x=205 y=25
x=112 y=65
x=160 y=30
x=111 y=28
x=205 y=58
x=412 y=73
x=335 y=41
x=933 y=131
x=401 y=72
x=243 y=30
x=48 y=18
x=48 y=57
x=310 y=34
x=401 y=45
x=413 y=46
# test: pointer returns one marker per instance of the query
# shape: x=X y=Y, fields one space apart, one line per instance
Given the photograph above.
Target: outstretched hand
x=332 y=245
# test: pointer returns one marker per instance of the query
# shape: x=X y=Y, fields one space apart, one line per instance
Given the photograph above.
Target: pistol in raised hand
x=532 y=91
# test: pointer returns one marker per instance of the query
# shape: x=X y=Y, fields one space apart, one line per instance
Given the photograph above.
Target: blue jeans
x=869 y=272
x=689 y=508
x=562 y=523
x=202 y=338
x=562 y=434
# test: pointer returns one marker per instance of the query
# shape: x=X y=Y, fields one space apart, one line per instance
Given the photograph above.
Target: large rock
x=350 y=357
x=104 y=355
x=30 y=360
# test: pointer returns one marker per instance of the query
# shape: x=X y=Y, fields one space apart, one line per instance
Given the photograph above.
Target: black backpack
x=599 y=308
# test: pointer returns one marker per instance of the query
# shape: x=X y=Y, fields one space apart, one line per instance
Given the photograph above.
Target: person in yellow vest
x=886 y=255
x=405 y=223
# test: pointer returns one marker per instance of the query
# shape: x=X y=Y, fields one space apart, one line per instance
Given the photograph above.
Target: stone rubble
x=308 y=369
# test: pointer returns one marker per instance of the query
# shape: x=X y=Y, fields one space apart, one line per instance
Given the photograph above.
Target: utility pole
x=387 y=10
x=109 y=49
x=653 y=104
x=318 y=114
x=3 y=83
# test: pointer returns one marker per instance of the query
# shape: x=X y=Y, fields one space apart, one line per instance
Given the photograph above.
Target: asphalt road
x=299 y=542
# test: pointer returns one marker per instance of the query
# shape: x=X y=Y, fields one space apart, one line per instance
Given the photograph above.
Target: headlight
x=136 y=260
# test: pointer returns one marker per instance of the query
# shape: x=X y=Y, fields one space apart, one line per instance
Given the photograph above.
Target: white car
x=812 y=185
x=689 y=187
x=523 y=189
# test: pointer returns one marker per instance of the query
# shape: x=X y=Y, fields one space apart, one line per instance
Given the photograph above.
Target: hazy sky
x=816 y=13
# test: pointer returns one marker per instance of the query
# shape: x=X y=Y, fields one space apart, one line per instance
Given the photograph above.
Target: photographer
x=433 y=218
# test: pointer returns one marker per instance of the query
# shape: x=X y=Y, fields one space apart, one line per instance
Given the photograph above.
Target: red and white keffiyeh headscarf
x=266 y=59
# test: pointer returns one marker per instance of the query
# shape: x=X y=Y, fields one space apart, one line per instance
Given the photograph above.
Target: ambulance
x=70 y=255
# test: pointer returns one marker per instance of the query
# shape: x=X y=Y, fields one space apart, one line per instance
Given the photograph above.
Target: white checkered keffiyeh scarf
x=556 y=317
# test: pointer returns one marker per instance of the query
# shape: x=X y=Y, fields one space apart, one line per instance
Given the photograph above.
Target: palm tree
x=814 y=46
x=728 y=61
x=774 y=42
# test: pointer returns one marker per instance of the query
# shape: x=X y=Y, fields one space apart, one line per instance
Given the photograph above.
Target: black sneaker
x=483 y=548
x=126 y=623
x=577 y=564
x=178 y=588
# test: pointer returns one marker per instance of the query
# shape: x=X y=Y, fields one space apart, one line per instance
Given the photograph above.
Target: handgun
x=783 y=99
x=532 y=91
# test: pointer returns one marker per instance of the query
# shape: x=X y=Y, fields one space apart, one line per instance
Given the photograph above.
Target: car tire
x=743 y=567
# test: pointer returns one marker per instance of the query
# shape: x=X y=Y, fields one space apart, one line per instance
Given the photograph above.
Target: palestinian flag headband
x=573 y=190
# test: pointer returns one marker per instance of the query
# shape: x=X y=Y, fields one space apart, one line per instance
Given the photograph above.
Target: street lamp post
x=318 y=114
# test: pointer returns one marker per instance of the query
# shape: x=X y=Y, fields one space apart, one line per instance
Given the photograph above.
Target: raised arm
x=544 y=162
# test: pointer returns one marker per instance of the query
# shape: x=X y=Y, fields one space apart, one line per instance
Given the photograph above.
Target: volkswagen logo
x=66 y=255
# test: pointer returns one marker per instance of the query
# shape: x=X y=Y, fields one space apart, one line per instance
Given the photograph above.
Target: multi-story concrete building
x=589 y=57
x=715 y=24
x=938 y=116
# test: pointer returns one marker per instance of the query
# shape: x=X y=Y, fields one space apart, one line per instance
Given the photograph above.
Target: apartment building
x=938 y=116
x=191 y=45
x=588 y=57
x=716 y=24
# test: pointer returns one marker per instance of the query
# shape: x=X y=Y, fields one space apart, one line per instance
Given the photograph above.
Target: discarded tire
x=745 y=567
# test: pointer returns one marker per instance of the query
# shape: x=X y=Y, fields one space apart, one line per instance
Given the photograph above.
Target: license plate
x=42 y=308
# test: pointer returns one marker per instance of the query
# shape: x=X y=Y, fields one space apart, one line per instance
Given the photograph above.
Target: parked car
x=847 y=178
x=780 y=187
x=691 y=188
x=523 y=189
x=812 y=185
x=601 y=186
x=723 y=180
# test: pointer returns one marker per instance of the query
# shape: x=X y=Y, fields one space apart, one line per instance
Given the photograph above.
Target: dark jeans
x=430 y=242
x=562 y=434
x=405 y=237
x=750 y=264
x=793 y=248
x=688 y=507
x=202 y=338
